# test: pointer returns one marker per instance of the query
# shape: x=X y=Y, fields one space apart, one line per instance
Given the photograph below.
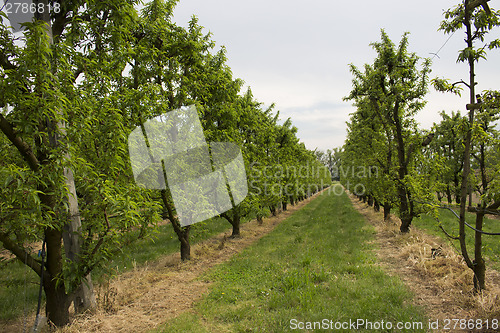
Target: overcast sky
x=296 y=53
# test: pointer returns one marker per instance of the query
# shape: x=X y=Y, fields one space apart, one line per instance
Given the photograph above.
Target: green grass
x=18 y=290
x=318 y=264
x=19 y=285
x=163 y=243
x=491 y=244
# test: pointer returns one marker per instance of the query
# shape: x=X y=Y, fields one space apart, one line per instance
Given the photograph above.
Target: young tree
x=477 y=19
x=393 y=89
x=448 y=144
x=167 y=63
x=367 y=165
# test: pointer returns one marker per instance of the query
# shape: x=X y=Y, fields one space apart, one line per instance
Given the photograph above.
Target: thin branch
x=23 y=148
x=447 y=234
x=460 y=82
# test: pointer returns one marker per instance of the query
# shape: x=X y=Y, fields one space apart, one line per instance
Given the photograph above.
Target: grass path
x=318 y=266
x=150 y=294
x=329 y=260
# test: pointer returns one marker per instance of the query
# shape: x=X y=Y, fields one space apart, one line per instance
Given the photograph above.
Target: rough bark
x=185 y=246
x=234 y=218
x=181 y=232
x=479 y=266
x=58 y=302
x=57 y=307
x=468 y=139
x=387 y=211
x=84 y=296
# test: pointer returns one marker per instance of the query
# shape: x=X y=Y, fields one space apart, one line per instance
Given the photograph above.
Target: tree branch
x=23 y=148
x=482 y=3
x=447 y=234
x=5 y=63
x=20 y=253
x=428 y=139
x=227 y=217
x=494 y=205
x=459 y=82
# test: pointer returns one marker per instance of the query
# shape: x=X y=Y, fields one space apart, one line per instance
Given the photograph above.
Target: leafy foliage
x=71 y=95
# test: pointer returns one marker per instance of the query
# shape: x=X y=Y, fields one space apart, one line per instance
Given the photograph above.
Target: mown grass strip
x=318 y=264
x=19 y=284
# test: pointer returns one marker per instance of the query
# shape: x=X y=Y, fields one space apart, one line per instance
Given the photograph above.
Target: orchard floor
x=433 y=271
x=142 y=299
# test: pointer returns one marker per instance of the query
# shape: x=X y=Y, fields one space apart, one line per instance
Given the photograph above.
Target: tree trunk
x=181 y=232
x=479 y=264
x=84 y=296
x=387 y=211
x=185 y=246
x=470 y=196
x=183 y=236
x=57 y=307
x=402 y=192
x=234 y=220
x=370 y=200
x=236 y=223
x=448 y=195
x=404 y=210
x=273 y=210
x=58 y=302
x=236 y=229
x=464 y=186
x=376 y=205
x=456 y=182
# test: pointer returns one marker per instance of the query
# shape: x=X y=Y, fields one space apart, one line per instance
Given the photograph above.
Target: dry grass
x=433 y=270
x=142 y=299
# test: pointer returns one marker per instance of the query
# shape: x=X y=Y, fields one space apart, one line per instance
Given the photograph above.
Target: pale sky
x=296 y=53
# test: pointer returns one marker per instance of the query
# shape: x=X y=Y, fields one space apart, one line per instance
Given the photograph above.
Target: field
x=328 y=261
x=319 y=264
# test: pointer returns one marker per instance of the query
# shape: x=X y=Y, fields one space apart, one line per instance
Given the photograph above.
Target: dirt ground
x=142 y=299
x=432 y=269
